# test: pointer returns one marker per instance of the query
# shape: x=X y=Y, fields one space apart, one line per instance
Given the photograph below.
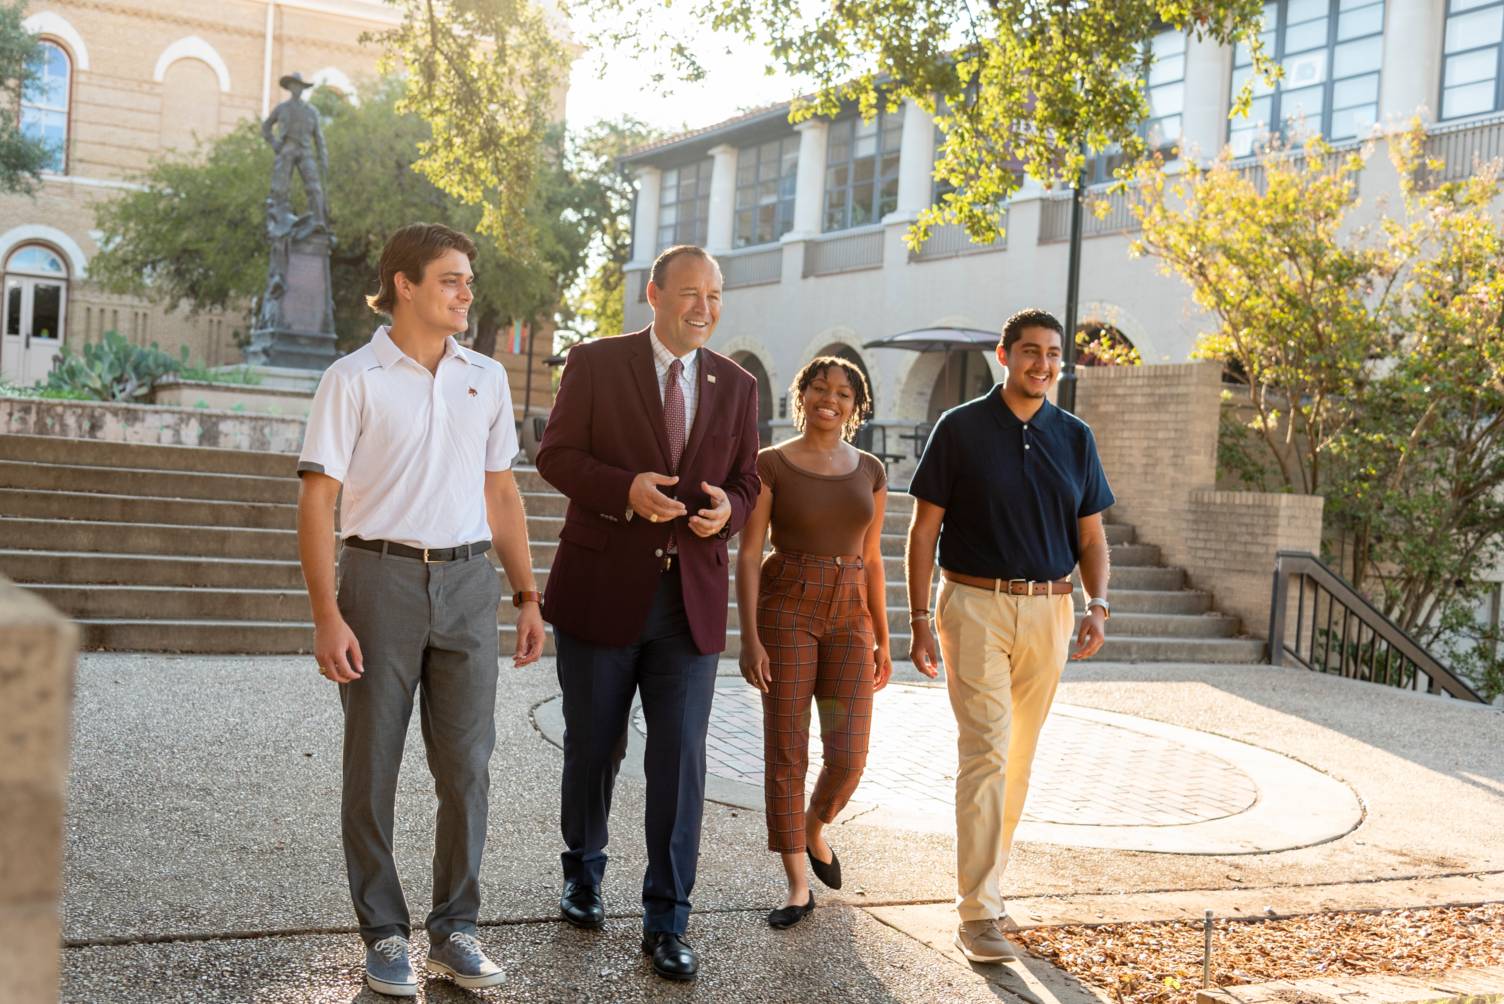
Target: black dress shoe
x=581 y=905
x=673 y=959
x=788 y=916
x=830 y=873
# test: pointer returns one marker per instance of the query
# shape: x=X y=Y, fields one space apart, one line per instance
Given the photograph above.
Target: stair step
x=105 y=508
x=147 y=483
x=1160 y=649
x=89 y=568
x=146 y=538
x=102 y=453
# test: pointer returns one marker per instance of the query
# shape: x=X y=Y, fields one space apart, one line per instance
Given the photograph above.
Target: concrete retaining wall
x=140 y=423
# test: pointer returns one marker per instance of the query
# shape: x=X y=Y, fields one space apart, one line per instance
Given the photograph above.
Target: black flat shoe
x=829 y=874
x=787 y=916
x=581 y=905
x=673 y=959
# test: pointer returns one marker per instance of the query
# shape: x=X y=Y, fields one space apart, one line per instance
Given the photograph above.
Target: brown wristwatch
x=527 y=596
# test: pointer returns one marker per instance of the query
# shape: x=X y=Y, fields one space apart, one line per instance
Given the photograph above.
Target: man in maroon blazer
x=654 y=440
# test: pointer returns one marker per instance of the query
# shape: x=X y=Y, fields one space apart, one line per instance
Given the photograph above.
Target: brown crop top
x=825 y=514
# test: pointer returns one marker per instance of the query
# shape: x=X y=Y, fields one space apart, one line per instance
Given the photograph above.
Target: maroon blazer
x=606 y=427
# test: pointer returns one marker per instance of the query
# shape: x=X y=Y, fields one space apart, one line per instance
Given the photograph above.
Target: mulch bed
x=1161 y=963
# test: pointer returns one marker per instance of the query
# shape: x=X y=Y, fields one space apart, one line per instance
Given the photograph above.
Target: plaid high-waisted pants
x=812 y=618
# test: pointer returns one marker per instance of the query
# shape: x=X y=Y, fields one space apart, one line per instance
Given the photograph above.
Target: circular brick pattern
x=1086 y=772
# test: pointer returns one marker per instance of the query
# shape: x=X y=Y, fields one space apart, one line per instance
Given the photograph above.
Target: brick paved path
x=1086 y=772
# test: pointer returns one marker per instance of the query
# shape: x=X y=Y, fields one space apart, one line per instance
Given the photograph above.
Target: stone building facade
x=123 y=82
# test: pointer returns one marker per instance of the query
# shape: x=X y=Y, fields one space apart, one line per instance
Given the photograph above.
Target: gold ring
x=653 y=517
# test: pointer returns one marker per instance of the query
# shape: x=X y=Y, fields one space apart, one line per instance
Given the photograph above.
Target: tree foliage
x=22 y=158
x=193 y=237
x=606 y=213
x=482 y=74
x=1372 y=361
x=1017 y=83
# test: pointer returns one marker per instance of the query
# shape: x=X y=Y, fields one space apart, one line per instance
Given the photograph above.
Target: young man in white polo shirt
x=419 y=433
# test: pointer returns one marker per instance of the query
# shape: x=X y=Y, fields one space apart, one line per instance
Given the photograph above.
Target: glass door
x=33 y=327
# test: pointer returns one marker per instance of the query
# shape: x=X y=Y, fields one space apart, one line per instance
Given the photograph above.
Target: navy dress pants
x=677 y=684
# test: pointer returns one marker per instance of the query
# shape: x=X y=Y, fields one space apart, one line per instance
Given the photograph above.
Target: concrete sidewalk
x=204 y=863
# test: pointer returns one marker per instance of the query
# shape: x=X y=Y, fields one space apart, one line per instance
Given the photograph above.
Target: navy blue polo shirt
x=1012 y=491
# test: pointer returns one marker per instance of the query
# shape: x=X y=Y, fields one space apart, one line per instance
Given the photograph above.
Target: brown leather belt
x=1013 y=587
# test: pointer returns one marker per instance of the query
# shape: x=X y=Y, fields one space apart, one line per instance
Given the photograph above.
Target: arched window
x=44 y=103
x=33 y=313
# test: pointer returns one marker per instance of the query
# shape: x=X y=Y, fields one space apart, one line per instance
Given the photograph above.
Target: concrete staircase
x=179 y=549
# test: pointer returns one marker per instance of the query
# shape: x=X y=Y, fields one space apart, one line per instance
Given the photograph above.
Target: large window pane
x=1469 y=99
x=1471 y=67
x=766 y=176
x=1468 y=31
x=44 y=103
x=862 y=172
x=1330 y=51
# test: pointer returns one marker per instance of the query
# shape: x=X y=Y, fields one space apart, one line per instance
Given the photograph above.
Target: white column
x=1410 y=80
x=809 y=190
x=645 y=222
x=1208 y=83
x=722 y=198
x=266 y=59
x=916 y=162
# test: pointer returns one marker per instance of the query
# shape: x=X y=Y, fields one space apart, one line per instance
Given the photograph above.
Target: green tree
x=606 y=213
x=22 y=158
x=484 y=75
x=193 y=236
x=1372 y=361
x=1018 y=82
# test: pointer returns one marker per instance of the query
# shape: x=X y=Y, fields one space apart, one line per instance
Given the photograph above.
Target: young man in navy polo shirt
x=1013 y=489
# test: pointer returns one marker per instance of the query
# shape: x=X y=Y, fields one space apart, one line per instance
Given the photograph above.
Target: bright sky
x=735 y=82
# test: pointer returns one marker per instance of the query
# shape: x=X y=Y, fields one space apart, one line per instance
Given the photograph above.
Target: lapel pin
x=710 y=377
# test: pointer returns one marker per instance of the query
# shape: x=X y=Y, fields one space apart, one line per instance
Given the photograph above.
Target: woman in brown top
x=813 y=616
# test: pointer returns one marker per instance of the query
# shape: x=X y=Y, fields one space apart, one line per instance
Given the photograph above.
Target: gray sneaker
x=460 y=958
x=387 y=969
x=983 y=941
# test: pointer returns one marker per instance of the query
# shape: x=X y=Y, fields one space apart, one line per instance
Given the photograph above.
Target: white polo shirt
x=411 y=447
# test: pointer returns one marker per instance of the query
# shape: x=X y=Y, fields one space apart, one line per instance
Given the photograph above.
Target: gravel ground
x=1162 y=963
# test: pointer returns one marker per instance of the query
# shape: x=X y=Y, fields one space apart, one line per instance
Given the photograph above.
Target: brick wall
x=37 y=649
x=1156 y=430
x=1231 y=538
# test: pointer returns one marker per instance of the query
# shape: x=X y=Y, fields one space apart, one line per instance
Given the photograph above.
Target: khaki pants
x=1003 y=659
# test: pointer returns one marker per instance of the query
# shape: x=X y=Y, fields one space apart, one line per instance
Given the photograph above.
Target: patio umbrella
x=940 y=339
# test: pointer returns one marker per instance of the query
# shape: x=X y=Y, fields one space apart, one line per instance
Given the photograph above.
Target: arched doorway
x=963 y=376
x=1101 y=344
x=753 y=365
x=32 y=314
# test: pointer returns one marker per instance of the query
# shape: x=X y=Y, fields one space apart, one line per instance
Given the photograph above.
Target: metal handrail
x=1404 y=660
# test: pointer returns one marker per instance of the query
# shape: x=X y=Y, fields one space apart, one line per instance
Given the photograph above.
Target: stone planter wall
x=145 y=423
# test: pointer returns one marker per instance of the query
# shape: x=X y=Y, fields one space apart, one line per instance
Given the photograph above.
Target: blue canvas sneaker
x=387 y=969
x=460 y=958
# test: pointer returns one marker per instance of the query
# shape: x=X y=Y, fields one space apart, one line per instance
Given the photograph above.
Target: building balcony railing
x=1055 y=216
x=950 y=240
x=847 y=252
x=1462 y=148
x=756 y=267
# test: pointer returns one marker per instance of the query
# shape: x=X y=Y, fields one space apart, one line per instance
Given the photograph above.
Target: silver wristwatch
x=1100 y=601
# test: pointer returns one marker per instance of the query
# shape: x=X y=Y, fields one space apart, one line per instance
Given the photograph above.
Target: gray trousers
x=429 y=628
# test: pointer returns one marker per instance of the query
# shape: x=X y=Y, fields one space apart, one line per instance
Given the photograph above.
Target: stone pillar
x=809 y=191
x=645 y=219
x=37 y=648
x=916 y=162
x=722 y=198
x=1208 y=83
x=1410 y=81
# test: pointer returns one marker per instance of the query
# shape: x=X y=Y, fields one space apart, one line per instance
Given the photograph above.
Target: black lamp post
x=1067 y=395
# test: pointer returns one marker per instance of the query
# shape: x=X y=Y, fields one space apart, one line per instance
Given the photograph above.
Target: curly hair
x=818 y=367
x=1031 y=317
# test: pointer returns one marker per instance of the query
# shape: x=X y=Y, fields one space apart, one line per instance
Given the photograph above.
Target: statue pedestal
x=302 y=336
